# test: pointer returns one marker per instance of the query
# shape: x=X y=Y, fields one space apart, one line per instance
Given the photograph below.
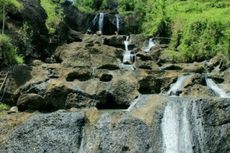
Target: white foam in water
x=126 y=67
x=127 y=56
x=117 y=22
x=176 y=129
x=126 y=42
x=151 y=44
x=101 y=22
x=185 y=145
x=170 y=129
x=176 y=86
x=218 y=91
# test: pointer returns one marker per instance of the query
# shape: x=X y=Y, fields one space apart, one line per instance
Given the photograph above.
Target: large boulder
x=59 y=132
x=128 y=134
x=30 y=102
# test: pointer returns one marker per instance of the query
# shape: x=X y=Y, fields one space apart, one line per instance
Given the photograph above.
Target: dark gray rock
x=127 y=135
x=216 y=122
x=30 y=102
x=59 y=132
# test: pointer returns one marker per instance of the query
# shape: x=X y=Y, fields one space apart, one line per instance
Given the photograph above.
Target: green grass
x=198 y=29
x=9 y=51
x=54 y=17
x=4 y=107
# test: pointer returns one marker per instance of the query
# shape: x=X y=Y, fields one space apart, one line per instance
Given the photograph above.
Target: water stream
x=176 y=128
x=117 y=22
x=173 y=91
x=151 y=43
x=101 y=22
x=129 y=55
x=218 y=91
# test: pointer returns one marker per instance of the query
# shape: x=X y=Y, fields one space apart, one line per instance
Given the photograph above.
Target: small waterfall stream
x=176 y=128
x=101 y=22
x=218 y=91
x=128 y=56
x=173 y=91
x=151 y=43
x=117 y=22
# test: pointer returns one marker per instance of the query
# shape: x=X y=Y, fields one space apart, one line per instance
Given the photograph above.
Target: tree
x=6 y=4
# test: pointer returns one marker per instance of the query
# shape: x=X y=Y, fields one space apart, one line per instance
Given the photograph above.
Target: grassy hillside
x=199 y=29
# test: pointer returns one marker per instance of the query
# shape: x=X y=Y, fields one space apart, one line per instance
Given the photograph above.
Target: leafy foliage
x=54 y=14
x=4 y=107
x=9 y=52
x=10 y=3
x=199 y=29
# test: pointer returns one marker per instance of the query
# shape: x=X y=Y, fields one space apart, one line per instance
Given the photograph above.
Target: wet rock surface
x=136 y=130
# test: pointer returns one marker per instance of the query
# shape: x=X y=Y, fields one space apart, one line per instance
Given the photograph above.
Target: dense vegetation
x=9 y=51
x=199 y=29
x=54 y=14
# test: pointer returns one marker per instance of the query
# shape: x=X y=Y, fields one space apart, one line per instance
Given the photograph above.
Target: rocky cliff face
x=90 y=100
x=138 y=130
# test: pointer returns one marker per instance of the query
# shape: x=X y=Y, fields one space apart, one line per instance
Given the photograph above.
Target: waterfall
x=198 y=128
x=176 y=128
x=176 y=86
x=150 y=44
x=126 y=57
x=218 y=91
x=117 y=22
x=95 y=19
x=101 y=22
x=126 y=42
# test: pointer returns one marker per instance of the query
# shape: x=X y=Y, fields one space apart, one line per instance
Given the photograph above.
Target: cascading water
x=173 y=91
x=128 y=56
x=218 y=91
x=127 y=42
x=176 y=128
x=101 y=22
x=117 y=22
x=198 y=128
x=95 y=19
x=151 y=43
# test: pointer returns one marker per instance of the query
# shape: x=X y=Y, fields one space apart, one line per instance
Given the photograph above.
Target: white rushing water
x=127 y=57
x=117 y=22
x=101 y=22
x=151 y=43
x=176 y=86
x=218 y=91
x=95 y=19
x=127 y=42
x=176 y=128
x=198 y=127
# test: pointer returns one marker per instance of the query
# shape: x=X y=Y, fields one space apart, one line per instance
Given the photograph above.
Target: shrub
x=9 y=52
x=4 y=107
x=200 y=29
x=53 y=13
